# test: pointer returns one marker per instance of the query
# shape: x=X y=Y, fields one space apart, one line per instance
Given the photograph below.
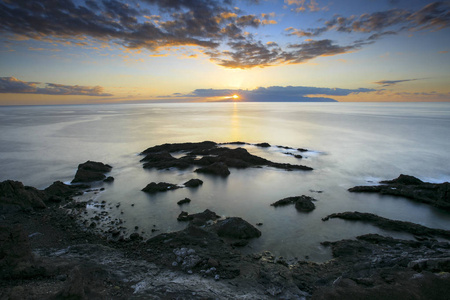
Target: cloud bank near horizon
x=13 y=85
x=271 y=94
x=218 y=28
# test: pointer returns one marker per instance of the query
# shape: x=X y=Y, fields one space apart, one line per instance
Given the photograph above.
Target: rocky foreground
x=45 y=253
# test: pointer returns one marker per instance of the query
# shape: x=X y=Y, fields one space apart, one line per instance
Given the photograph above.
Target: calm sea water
x=350 y=144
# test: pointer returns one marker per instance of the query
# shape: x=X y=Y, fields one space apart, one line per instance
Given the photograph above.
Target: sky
x=117 y=51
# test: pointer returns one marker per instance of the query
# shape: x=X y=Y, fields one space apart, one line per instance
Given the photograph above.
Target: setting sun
x=235 y=96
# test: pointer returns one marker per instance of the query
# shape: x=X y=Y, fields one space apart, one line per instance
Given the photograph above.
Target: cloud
x=216 y=27
x=16 y=86
x=434 y=16
x=393 y=82
x=274 y=94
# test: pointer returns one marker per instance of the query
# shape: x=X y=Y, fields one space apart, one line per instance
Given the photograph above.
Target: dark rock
x=302 y=203
x=302 y=150
x=236 y=227
x=388 y=224
x=263 y=145
x=109 y=179
x=15 y=252
x=13 y=194
x=135 y=236
x=436 y=194
x=294 y=155
x=164 y=160
x=198 y=219
x=185 y=200
x=305 y=204
x=404 y=179
x=193 y=183
x=217 y=168
x=60 y=189
x=180 y=147
x=154 y=187
x=91 y=171
x=214 y=159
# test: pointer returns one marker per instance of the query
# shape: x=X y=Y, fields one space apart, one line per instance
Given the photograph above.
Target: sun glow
x=235 y=96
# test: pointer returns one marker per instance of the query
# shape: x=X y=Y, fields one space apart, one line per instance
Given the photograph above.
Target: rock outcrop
x=91 y=171
x=302 y=203
x=235 y=227
x=435 y=194
x=212 y=158
x=154 y=187
x=388 y=224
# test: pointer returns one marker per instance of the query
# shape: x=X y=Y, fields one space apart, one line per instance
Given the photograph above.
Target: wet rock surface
x=388 y=224
x=91 y=171
x=193 y=183
x=47 y=253
x=302 y=203
x=436 y=194
x=235 y=227
x=211 y=157
x=154 y=187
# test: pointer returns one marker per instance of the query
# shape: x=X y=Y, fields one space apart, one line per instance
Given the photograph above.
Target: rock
x=135 y=236
x=236 y=227
x=185 y=200
x=263 y=145
x=214 y=160
x=198 y=219
x=164 y=160
x=388 y=224
x=193 y=183
x=109 y=179
x=180 y=147
x=404 y=179
x=62 y=190
x=154 y=187
x=15 y=252
x=14 y=195
x=91 y=171
x=436 y=194
x=305 y=204
x=302 y=203
x=217 y=168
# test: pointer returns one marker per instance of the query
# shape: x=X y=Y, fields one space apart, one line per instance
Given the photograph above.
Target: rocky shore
x=47 y=253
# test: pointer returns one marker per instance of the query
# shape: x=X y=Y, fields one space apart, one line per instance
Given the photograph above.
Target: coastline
x=47 y=253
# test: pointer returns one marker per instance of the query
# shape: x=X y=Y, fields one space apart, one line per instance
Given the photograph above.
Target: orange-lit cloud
x=13 y=85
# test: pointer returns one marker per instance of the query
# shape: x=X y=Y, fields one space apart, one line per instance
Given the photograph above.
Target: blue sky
x=70 y=51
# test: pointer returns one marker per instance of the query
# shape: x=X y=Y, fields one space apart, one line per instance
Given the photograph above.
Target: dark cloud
x=434 y=16
x=215 y=26
x=16 y=86
x=393 y=82
x=275 y=94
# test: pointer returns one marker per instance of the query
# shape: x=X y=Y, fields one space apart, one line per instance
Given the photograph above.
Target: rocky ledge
x=302 y=203
x=210 y=157
x=436 y=194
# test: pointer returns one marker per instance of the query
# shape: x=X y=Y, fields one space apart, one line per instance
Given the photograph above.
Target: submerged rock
x=185 y=200
x=436 y=194
x=91 y=171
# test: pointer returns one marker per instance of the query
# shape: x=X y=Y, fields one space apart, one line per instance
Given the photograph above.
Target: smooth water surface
x=350 y=144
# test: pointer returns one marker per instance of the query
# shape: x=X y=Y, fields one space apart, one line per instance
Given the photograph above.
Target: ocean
x=348 y=144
